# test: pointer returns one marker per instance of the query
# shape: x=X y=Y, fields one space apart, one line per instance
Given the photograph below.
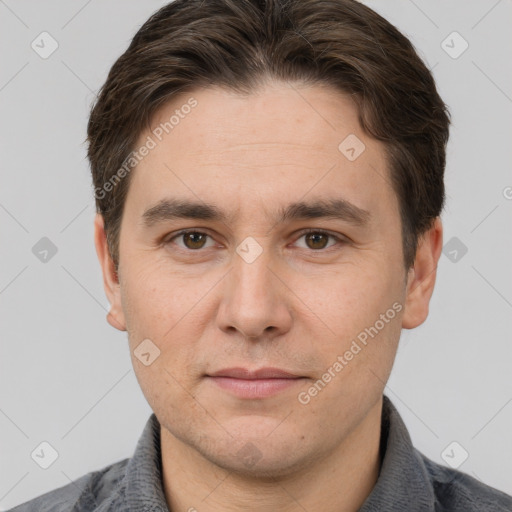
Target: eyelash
x=302 y=233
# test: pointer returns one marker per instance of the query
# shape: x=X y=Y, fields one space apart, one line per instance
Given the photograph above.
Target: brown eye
x=316 y=240
x=194 y=240
x=190 y=240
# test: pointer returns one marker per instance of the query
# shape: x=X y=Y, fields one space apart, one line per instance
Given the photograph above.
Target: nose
x=255 y=301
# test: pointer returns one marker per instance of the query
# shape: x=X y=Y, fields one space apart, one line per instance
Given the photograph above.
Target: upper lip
x=261 y=373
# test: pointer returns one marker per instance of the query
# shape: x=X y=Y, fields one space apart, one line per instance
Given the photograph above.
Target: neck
x=338 y=482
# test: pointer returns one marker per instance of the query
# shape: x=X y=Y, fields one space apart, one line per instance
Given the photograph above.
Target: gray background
x=65 y=374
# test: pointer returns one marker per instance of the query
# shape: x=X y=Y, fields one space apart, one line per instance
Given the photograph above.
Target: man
x=269 y=182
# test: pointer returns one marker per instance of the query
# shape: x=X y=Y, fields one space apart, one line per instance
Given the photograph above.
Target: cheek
x=351 y=300
x=360 y=314
x=156 y=301
x=172 y=311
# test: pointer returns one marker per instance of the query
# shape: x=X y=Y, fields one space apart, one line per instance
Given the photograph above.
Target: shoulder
x=456 y=491
x=85 y=494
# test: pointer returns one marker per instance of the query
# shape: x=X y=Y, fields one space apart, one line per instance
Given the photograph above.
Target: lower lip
x=254 y=388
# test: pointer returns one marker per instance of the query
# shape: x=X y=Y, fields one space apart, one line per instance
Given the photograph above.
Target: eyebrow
x=173 y=208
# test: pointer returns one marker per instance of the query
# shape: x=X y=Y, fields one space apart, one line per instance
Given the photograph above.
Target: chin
x=261 y=453
x=264 y=464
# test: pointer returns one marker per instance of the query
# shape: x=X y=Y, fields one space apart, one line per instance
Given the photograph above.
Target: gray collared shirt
x=408 y=481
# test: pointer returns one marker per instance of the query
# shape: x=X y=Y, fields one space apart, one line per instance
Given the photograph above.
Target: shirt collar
x=403 y=482
x=143 y=481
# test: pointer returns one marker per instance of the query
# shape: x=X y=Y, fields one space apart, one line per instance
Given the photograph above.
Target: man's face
x=253 y=290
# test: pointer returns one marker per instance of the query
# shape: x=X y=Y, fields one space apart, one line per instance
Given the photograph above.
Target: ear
x=422 y=276
x=110 y=279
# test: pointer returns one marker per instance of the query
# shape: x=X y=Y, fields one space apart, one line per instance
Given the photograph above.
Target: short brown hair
x=239 y=44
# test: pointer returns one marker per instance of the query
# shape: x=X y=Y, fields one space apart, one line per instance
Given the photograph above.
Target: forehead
x=277 y=145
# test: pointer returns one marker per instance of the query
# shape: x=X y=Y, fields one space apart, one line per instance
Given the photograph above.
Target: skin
x=297 y=306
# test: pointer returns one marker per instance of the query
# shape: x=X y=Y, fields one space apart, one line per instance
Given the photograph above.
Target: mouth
x=254 y=384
